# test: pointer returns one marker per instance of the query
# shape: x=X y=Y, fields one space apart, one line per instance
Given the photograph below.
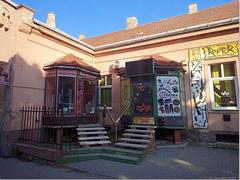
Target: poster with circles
x=168 y=96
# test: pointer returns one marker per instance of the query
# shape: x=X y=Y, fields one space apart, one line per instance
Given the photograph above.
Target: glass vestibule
x=74 y=93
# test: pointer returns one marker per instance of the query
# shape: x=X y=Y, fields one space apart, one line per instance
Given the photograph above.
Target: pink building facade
x=207 y=49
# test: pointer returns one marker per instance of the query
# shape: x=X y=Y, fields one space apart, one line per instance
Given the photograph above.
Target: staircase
x=138 y=137
x=92 y=135
x=131 y=148
x=102 y=152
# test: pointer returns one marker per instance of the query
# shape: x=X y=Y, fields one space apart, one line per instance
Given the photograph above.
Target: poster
x=168 y=96
x=125 y=94
x=142 y=96
x=198 y=94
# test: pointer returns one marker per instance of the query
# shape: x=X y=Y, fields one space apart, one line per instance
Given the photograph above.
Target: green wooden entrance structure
x=157 y=89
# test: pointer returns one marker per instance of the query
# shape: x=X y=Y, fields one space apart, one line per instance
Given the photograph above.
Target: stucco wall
x=178 y=51
x=7 y=37
x=27 y=47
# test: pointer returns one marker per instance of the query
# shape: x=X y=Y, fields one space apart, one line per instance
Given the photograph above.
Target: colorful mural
x=198 y=94
x=168 y=96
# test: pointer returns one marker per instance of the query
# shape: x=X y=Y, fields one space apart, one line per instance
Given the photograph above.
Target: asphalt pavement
x=194 y=162
x=191 y=162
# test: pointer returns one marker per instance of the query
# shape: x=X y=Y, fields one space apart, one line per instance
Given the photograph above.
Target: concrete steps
x=92 y=135
x=131 y=145
x=133 y=135
x=107 y=153
x=135 y=140
x=140 y=137
x=131 y=148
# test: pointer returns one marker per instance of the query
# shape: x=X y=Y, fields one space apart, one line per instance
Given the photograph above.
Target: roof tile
x=72 y=60
x=226 y=11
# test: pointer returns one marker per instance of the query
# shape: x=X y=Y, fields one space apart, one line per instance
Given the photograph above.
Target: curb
x=172 y=146
x=219 y=145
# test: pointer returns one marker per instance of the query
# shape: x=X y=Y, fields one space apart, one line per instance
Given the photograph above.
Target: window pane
x=229 y=69
x=89 y=97
x=66 y=94
x=224 y=93
x=50 y=92
x=102 y=81
x=109 y=80
x=106 y=96
x=216 y=71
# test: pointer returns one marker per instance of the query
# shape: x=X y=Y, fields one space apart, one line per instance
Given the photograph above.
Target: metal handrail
x=126 y=104
x=108 y=112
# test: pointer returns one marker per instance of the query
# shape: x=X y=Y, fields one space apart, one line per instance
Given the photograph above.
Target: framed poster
x=142 y=96
x=168 y=96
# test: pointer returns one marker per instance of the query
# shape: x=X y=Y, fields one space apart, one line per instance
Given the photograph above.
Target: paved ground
x=190 y=162
x=17 y=169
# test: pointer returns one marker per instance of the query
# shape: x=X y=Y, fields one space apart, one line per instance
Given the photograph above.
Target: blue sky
x=97 y=17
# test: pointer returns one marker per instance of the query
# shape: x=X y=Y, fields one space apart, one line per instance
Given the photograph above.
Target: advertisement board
x=168 y=96
x=142 y=96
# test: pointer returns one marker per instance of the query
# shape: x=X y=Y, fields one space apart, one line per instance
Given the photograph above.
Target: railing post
x=115 y=129
x=61 y=122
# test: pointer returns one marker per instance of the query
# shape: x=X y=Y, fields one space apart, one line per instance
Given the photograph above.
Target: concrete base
x=39 y=152
x=177 y=136
x=7 y=138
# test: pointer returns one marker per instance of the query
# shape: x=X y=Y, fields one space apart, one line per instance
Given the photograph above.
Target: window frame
x=74 y=94
x=106 y=86
x=222 y=78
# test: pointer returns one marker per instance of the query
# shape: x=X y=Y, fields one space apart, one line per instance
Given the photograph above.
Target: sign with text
x=143 y=120
x=66 y=72
x=214 y=51
x=87 y=76
x=168 y=96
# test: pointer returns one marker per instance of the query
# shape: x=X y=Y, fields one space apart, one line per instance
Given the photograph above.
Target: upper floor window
x=223 y=86
x=105 y=90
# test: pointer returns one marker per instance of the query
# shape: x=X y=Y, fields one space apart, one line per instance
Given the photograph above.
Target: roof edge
x=169 y=33
x=17 y=6
x=63 y=34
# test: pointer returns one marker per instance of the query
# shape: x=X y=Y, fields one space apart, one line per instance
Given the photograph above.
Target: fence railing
x=33 y=130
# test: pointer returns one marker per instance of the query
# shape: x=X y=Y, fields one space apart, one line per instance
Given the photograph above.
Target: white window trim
x=99 y=92
x=223 y=79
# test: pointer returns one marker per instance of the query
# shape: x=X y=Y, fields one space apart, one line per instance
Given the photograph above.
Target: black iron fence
x=34 y=129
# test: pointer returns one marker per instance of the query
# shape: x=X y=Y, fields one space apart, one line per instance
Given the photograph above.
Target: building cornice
x=55 y=30
x=145 y=38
